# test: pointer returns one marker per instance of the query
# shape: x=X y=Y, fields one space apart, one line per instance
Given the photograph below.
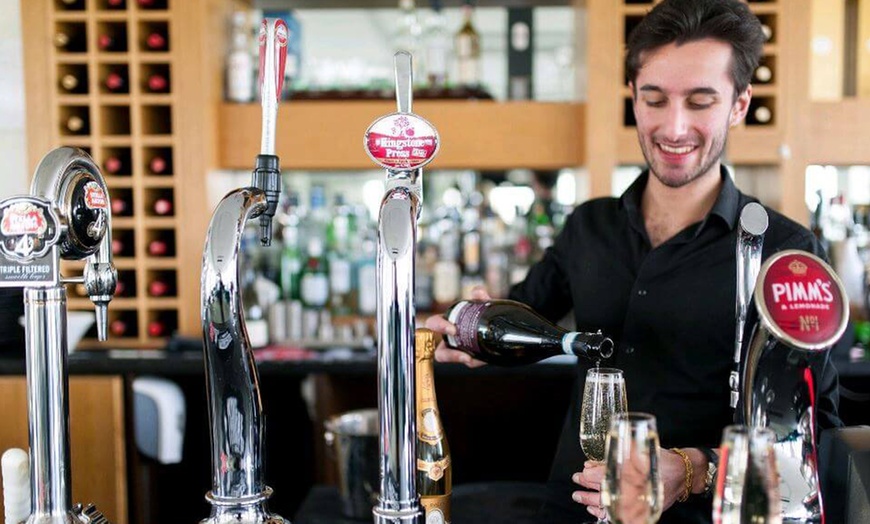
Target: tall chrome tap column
x=402 y=143
x=67 y=215
x=750 y=239
x=802 y=310
x=239 y=493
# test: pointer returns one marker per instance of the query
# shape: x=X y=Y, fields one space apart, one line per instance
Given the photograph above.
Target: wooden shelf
x=474 y=134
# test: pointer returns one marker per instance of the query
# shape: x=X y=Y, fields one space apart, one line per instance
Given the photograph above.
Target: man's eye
x=655 y=103
x=700 y=103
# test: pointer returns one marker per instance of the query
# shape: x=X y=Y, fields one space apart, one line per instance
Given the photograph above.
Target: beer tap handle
x=267 y=171
x=404 y=81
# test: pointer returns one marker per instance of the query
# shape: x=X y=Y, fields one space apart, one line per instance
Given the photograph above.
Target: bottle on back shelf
x=409 y=36
x=239 y=62
x=434 y=468
x=437 y=42
x=467 y=48
x=510 y=333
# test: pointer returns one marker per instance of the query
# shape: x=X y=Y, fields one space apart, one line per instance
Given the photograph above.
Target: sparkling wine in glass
x=747 y=489
x=632 y=491
x=603 y=397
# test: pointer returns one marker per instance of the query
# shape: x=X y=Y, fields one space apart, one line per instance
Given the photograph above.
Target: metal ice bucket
x=353 y=440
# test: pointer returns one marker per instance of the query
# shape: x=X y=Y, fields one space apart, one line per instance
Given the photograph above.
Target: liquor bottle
x=314 y=280
x=162 y=206
x=509 y=333
x=157 y=83
x=70 y=40
x=72 y=83
x=77 y=125
x=434 y=470
x=409 y=34
x=467 y=43
x=159 y=164
x=116 y=82
x=240 y=62
x=156 y=40
x=437 y=41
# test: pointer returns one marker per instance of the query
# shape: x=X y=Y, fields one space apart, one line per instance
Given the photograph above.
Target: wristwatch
x=712 y=469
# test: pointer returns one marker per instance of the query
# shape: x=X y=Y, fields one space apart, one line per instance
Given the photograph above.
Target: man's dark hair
x=681 y=21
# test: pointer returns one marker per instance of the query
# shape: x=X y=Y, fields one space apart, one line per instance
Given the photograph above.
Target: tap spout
x=235 y=409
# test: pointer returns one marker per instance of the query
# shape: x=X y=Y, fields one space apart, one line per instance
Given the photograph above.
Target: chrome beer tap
x=402 y=143
x=750 y=239
x=802 y=310
x=67 y=215
x=239 y=493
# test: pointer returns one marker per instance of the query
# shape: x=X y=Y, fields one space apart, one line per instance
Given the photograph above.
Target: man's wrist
x=699 y=465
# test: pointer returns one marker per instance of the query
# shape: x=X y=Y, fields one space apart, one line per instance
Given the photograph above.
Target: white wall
x=13 y=152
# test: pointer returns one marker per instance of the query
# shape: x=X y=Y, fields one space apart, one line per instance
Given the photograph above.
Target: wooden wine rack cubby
x=107 y=77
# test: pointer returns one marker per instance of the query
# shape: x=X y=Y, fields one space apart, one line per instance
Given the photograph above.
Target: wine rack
x=108 y=79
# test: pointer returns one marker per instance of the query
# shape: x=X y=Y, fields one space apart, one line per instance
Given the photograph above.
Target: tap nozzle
x=267 y=177
x=100 y=279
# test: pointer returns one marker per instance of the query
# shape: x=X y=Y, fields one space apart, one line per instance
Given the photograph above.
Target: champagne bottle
x=509 y=333
x=434 y=470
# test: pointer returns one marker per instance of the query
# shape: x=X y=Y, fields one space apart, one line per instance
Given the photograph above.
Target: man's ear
x=740 y=107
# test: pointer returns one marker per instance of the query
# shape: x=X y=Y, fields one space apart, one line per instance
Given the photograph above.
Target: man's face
x=684 y=105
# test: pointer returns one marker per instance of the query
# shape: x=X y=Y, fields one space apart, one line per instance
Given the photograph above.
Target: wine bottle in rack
x=162 y=206
x=73 y=5
x=760 y=115
x=74 y=83
x=157 y=83
x=70 y=39
x=121 y=206
x=159 y=164
x=116 y=4
x=116 y=82
x=161 y=246
x=158 y=328
x=160 y=287
x=76 y=125
x=116 y=164
x=763 y=74
x=156 y=40
x=112 y=39
x=152 y=4
x=767 y=31
x=118 y=328
x=122 y=244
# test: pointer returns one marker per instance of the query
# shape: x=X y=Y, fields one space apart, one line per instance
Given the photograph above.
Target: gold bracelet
x=690 y=474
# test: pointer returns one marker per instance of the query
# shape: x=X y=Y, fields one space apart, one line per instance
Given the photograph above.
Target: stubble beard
x=716 y=151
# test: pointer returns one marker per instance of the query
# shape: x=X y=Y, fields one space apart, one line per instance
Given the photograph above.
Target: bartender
x=654 y=269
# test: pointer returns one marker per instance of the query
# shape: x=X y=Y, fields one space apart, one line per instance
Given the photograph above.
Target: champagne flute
x=747 y=490
x=632 y=491
x=603 y=397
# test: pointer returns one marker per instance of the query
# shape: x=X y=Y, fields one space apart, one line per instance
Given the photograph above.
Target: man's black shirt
x=671 y=312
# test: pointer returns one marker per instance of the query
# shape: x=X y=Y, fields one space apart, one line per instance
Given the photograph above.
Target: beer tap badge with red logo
x=281 y=36
x=28 y=228
x=801 y=300
x=95 y=197
x=401 y=141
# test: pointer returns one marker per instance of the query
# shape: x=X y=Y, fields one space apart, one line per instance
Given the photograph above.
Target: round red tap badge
x=401 y=141
x=801 y=300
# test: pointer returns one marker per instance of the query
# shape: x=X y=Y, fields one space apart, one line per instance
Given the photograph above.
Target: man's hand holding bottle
x=441 y=325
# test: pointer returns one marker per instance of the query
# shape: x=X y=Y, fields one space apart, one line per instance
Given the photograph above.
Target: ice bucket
x=352 y=438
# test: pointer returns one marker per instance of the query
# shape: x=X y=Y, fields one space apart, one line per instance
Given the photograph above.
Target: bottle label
x=429 y=424
x=437 y=509
x=315 y=289
x=465 y=316
x=434 y=470
x=339 y=276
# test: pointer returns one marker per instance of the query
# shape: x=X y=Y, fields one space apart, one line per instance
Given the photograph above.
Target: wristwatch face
x=711 y=476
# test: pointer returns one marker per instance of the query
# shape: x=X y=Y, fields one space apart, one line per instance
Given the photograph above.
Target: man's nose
x=676 y=125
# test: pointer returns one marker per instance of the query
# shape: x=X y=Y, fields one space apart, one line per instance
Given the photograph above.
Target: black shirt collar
x=726 y=206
